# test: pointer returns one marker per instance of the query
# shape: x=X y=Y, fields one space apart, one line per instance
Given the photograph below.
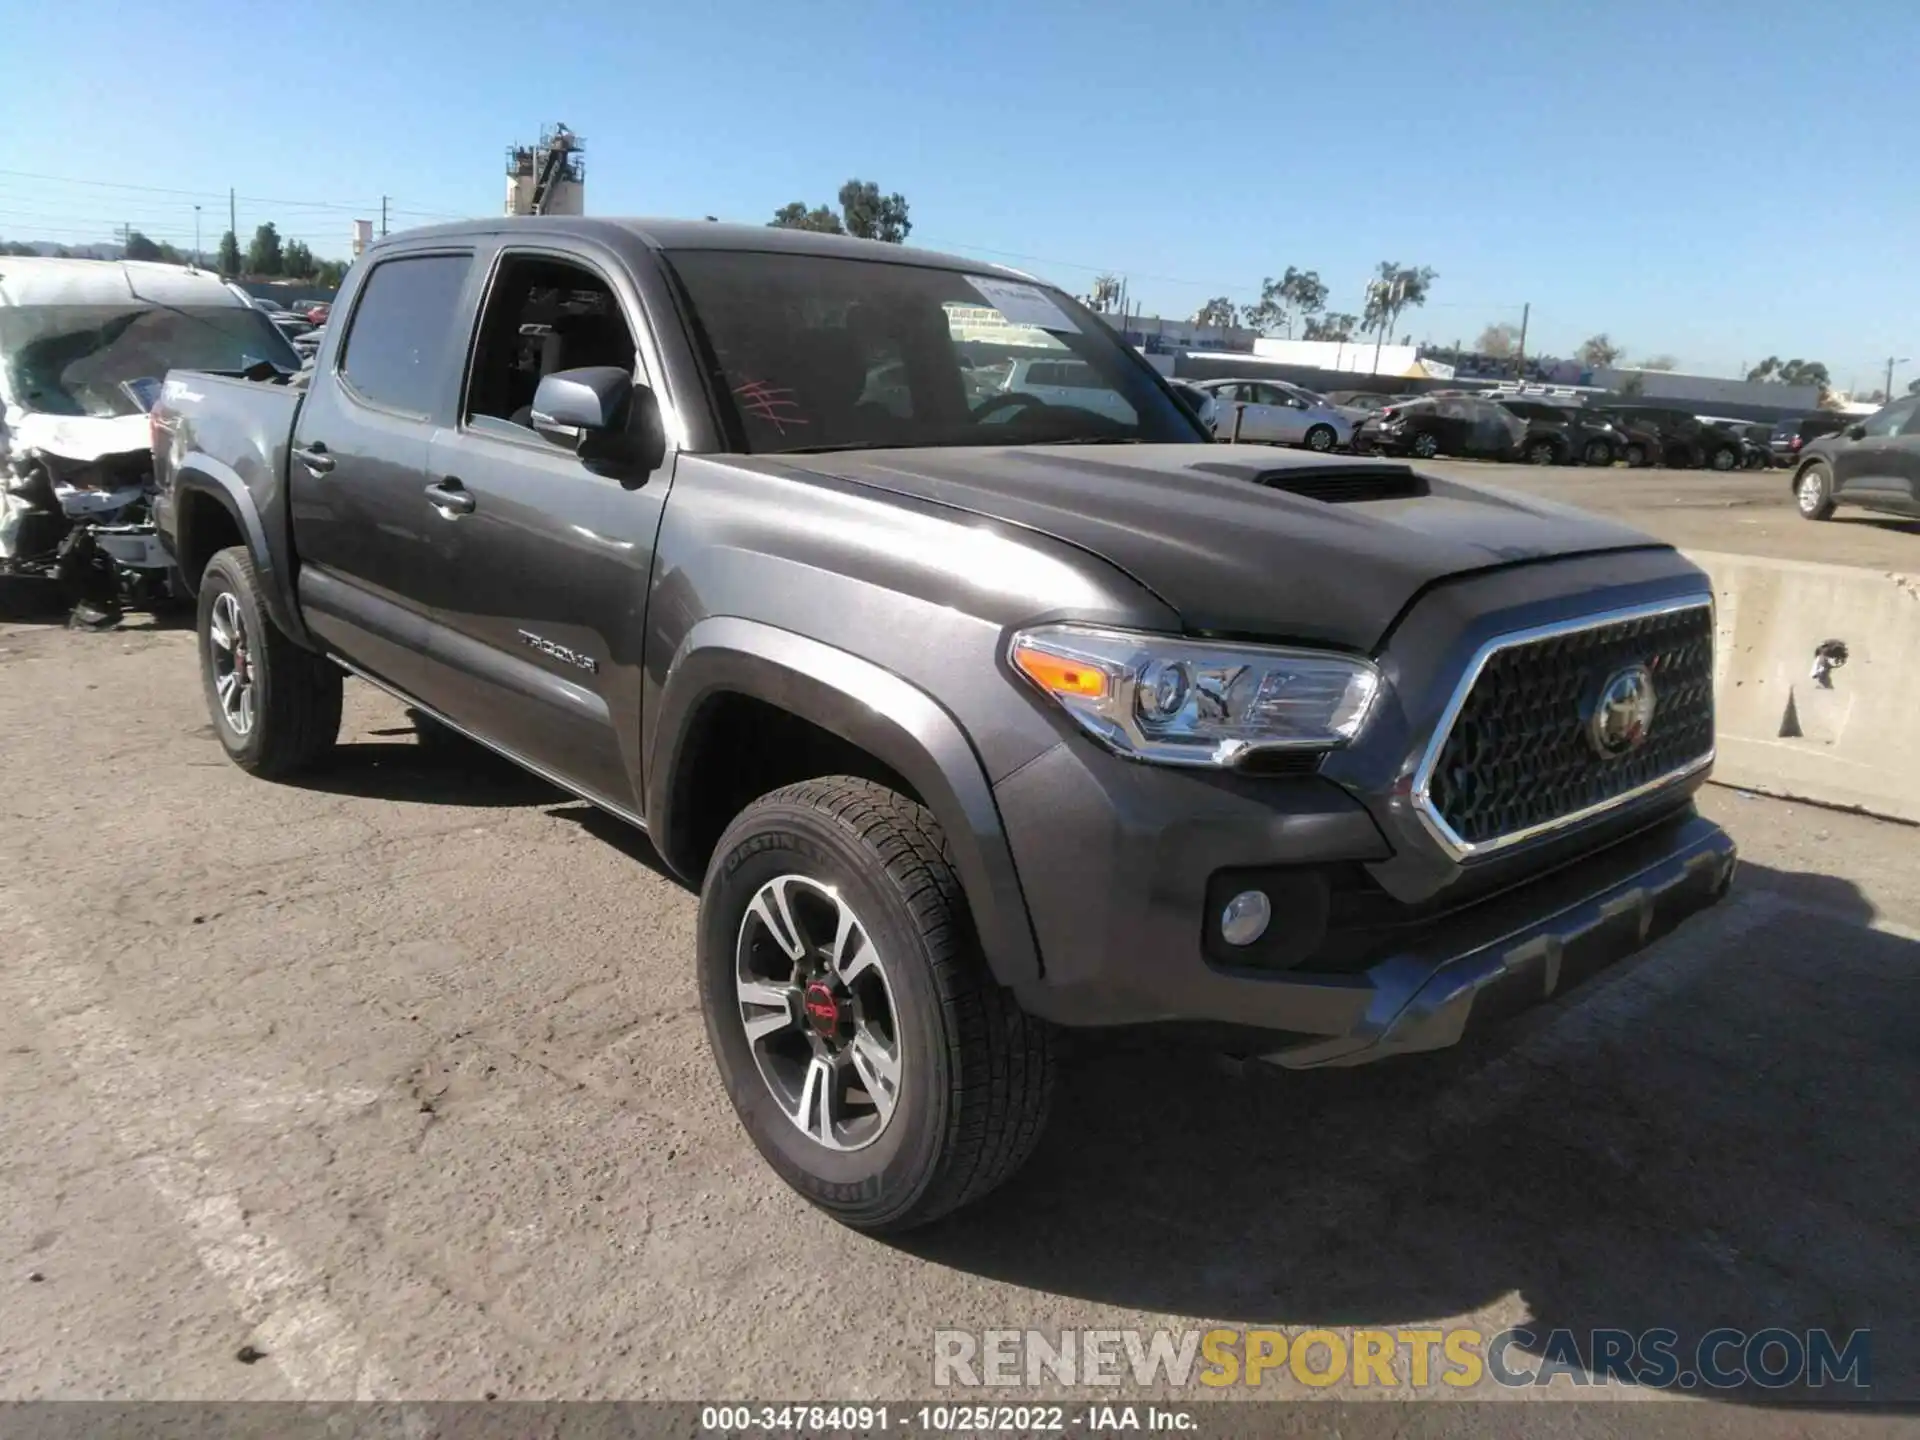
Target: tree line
x=864 y=213
x=267 y=256
x=1299 y=297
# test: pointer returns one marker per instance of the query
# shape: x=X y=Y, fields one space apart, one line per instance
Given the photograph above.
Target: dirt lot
x=397 y=1077
x=1747 y=511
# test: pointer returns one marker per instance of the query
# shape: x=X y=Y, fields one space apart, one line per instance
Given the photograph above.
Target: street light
x=1891 y=362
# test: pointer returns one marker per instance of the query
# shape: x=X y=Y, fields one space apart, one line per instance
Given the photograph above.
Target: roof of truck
x=658 y=234
x=50 y=280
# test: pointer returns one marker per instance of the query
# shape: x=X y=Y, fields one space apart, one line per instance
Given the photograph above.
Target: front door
x=1869 y=468
x=538 y=635
x=359 y=462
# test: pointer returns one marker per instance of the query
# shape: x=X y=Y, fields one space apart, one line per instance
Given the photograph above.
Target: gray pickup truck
x=973 y=711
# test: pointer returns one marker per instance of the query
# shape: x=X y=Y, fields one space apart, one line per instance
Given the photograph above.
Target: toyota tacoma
x=971 y=714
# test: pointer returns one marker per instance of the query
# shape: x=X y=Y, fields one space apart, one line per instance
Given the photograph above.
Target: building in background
x=549 y=178
x=362 y=237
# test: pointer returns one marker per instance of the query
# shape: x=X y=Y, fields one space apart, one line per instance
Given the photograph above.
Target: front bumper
x=1123 y=864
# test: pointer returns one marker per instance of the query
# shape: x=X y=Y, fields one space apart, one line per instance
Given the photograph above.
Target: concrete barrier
x=1817 y=681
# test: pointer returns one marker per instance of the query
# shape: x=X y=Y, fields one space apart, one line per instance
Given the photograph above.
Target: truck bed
x=233 y=434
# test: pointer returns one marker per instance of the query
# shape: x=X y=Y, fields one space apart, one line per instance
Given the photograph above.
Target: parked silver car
x=1276 y=413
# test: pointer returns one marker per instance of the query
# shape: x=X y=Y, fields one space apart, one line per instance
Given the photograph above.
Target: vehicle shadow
x=1894 y=523
x=627 y=839
x=449 y=771
x=30 y=600
x=1717 y=1137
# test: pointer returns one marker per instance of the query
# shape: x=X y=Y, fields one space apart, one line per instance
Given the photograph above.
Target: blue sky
x=1714 y=179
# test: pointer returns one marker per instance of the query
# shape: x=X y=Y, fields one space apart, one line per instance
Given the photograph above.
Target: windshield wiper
x=1094 y=440
x=847 y=445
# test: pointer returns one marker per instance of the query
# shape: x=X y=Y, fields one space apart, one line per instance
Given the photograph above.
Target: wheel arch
x=903 y=735
x=212 y=509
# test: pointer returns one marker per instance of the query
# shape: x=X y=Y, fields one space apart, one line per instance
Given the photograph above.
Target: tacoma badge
x=561 y=652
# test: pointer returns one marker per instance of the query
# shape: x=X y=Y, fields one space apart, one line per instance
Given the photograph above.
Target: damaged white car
x=83 y=345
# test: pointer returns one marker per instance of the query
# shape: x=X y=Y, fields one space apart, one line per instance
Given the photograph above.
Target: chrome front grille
x=1514 y=754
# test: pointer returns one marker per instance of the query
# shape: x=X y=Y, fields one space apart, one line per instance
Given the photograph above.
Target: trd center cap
x=823 y=1010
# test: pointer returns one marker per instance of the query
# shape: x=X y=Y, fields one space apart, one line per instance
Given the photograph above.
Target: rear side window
x=400 y=351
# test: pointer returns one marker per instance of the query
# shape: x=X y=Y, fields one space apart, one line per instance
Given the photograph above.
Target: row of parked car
x=1495 y=426
x=301 y=321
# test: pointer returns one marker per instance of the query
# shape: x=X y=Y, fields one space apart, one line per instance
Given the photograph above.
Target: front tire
x=1813 y=492
x=1425 y=446
x=1543 y=452
x=275 y=706
x=1599 y=452
x=870 y=1055
x=1637 y=457
x=1321 y=438
x=1724 y=459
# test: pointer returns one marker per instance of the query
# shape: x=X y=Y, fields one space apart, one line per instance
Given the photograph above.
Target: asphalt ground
x=1748 y=512
x=395 y=1083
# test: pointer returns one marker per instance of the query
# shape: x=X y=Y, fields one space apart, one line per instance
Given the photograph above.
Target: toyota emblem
x=1623 y=713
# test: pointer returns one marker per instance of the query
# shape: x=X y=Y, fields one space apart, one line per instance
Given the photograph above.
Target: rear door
x=363 y=530
x=538 y=635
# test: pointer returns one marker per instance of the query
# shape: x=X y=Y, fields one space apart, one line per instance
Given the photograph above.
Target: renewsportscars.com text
x=1455 y=1358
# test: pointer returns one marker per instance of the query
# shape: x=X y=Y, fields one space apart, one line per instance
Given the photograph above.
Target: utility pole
x=196 y=237
x=233 y=222
x=383 y=217
x=1520 y=355
x=1891 y=362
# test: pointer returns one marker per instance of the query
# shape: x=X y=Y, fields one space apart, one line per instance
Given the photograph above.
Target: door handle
x=315 y=457
x=450 y=498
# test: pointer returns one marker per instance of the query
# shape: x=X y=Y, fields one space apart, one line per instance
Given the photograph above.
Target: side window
x=402 y=340
x=1896 y=419
x=542 y=315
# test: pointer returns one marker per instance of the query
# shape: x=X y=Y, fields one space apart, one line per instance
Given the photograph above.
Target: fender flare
x=201 y=474
x=886 y=716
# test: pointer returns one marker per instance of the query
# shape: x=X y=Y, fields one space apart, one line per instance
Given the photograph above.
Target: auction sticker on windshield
x=1023 y=304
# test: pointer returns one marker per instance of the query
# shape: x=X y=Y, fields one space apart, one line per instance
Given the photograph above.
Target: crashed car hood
x=78 y=437
x=1232 y=555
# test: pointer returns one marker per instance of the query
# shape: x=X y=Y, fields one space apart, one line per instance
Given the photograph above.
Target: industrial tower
x=549 y=178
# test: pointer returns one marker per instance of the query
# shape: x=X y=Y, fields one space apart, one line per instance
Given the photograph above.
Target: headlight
x=1188 y=702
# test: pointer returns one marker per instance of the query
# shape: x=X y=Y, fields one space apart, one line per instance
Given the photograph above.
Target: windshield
x=815 y=352
x=72 y=359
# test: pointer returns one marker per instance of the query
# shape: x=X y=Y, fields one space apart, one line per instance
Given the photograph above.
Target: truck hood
x=1219 y=538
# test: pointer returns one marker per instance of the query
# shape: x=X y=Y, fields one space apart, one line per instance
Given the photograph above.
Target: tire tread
x=300 y=721
x=1002 y=1079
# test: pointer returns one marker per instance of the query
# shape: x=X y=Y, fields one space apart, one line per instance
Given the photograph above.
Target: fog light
x=1246 y=917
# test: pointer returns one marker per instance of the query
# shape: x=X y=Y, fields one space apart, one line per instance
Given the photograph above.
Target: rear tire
x=1425 y=446
x=1321 y=438
x=275 y=706
x=1637 y=457
x=1724 y=459
x=1543 y=452
x=1813 y=492
x=1599 y=452
x=972 y=1074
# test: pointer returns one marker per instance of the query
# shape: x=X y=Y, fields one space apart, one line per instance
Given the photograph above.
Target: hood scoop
x=1343 y=484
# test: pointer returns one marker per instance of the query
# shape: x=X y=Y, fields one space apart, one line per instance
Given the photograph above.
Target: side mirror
x=594 y=397
x=1856 y=432
x=611 y=423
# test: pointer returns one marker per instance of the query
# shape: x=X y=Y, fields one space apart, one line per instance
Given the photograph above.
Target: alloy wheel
x=818 y=1011
x=1425 y=446
x=233 y=674
x=1811 y=492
